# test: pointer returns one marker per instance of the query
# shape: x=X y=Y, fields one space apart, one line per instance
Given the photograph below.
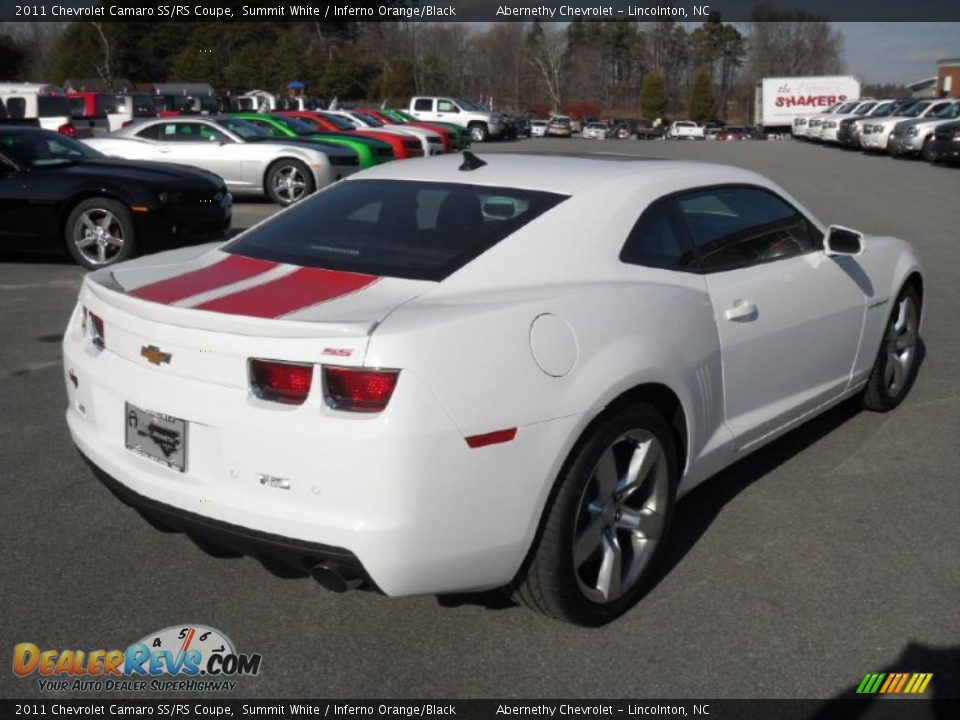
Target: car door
x=423 y=109
x=15 y=227
x=789 y=316
x=202 y=145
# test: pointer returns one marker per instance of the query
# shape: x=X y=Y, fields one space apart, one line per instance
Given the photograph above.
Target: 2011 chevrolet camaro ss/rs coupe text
x=436 y=377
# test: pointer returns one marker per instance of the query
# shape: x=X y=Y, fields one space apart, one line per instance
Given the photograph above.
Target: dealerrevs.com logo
x=184 y=657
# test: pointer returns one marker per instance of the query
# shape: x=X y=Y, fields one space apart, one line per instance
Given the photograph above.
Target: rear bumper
x=285 y=556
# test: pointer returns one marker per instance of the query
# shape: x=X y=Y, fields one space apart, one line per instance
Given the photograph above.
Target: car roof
x=549 y=173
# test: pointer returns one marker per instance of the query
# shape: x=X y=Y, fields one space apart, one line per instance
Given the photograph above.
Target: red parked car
x=403 y=147
x=449 y=141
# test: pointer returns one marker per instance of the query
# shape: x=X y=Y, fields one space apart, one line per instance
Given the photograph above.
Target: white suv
x=480 y=122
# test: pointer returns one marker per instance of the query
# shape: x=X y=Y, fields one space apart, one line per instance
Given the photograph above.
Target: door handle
x=165 y=150
x=741 y=310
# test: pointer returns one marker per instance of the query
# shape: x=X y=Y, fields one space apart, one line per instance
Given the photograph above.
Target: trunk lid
x=205 y=318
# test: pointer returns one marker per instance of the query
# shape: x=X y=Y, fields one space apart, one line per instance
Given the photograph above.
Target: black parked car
x=945 y=146
x=56 y=192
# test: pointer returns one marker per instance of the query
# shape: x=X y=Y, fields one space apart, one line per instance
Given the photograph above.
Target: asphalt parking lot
x=832 y=553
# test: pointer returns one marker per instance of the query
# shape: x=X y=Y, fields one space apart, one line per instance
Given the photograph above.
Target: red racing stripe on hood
x=231 y=269
x=296 y=291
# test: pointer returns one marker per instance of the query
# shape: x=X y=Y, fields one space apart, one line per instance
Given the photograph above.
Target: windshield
x=44 y=149
x=368 y=119
x=297 y=126
x=847 y=108
x=394 y=228
x=949 y=112
x=915 y=110
x=864 y=109
x=246 y=130
x=884 y=109
x=339 y=121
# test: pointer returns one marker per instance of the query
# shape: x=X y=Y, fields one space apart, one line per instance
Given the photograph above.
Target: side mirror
x=840 y=240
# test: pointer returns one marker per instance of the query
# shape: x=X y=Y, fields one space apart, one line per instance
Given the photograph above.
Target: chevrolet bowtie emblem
x=154 y=355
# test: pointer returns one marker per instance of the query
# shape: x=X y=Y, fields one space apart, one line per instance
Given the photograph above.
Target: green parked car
x=369 y=150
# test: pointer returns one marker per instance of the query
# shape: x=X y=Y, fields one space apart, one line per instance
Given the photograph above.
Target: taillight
x=359 y=390
x=68 y=129
x=93 y=328
x=282 y=382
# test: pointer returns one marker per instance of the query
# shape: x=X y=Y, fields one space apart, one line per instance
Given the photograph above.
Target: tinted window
x=340 y=122
x=150 y=133
x=416 y=230
x=735 y=227
x=52 y=106
x=77 y=107
x=16 y=107
x=658 y=239
x=106 y=104
x=45 y=149
x=191 y=132
x=423 y=104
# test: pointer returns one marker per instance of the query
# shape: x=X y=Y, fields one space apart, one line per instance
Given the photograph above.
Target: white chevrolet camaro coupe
x=286 y=170
x=454 y=374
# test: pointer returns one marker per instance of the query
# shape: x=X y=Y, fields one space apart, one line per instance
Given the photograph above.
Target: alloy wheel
x=620 y=518
x=901 y=345
x=289 y=184
x=98 y=236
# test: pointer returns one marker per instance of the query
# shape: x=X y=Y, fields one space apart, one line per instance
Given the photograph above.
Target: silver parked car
x=914 y=137
x=595 y=131
x=248 y=159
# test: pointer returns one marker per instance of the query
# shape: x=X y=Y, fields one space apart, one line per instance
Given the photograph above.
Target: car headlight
x=956 y=135
x=911 y=132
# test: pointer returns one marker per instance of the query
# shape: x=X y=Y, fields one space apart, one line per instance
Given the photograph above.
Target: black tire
x=288 y=181
x=551 y=581
x=479 y=133
x=99 y=232
x=889 y=384
x=927 y=151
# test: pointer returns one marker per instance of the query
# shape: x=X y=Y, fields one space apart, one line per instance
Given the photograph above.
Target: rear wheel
x=605 y=524
x=896 y=365
x=289 y=181
x=478 y=133
x=99 y=232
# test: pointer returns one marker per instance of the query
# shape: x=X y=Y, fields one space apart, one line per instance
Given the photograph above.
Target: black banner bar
x=867 y=708
x=470 y=10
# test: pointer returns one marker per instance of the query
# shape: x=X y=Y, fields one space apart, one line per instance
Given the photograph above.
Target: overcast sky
x=898 y=52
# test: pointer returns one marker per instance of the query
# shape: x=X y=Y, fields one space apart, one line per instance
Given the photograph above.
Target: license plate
x=156 y=436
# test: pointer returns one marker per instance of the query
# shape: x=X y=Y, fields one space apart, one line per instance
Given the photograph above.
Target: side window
x=263 y=125
x=151 y=133
x=17 y=107
x=446 y=106
x=740 y=226
x=423 y=104
x=658 y=240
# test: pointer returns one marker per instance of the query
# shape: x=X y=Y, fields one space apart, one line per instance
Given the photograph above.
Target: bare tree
x=103 y=69
x=546 y=50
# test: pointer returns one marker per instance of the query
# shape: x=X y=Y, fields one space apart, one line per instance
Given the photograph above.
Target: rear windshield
x=394 y=228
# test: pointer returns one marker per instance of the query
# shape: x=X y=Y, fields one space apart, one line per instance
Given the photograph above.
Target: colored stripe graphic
x=300 y=289
x=894 y=683
x=231 y=269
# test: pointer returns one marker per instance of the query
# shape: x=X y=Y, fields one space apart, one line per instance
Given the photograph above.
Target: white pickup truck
x=685 y=130
x=481 y=123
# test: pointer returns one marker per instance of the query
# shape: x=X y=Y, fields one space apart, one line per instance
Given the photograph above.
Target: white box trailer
x=779 y=100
